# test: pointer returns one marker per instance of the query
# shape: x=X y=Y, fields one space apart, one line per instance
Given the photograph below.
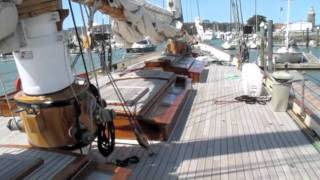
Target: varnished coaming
x=60 y=96
x=117 y=173
x=5 y=108
x=158 y=118
x=124 y=129
x=186 y=66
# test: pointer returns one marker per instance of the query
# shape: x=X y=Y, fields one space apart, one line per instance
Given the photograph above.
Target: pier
x=300 y=66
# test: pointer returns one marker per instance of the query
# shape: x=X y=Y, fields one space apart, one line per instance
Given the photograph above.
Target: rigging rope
x=79 y=41
x=191 y=18
x=106 y=142
x=8 y=102
x=186 y=10
x=141 y=137
x=86 y=35
x=198 y=8
x=253 y=100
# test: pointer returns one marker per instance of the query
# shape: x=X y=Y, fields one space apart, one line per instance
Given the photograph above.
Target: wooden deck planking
x=271 y=153
x=309 y=155
x=239 y=166
x=290 y=156
x=216 y=138
x=255 y=155
x=290 y=141
x=281 y=156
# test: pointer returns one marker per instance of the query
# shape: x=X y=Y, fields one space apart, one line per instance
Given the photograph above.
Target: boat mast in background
x=288 y=24
x=255 y=12
x=175 y=6
x=198 y=9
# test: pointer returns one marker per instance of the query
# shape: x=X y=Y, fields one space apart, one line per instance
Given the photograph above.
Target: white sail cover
x=199 y=26
x=143 y=19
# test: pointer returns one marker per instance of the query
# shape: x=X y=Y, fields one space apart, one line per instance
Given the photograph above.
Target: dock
x=311 y=62
x=217 y=137
x=311 y=58
x=298 y=66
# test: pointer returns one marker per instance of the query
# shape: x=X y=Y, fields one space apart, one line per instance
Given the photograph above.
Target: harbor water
x=8 y=70
x=9 y=74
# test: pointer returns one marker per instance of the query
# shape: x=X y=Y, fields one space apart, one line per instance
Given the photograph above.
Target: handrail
x=314 y=79
x=6 y=73
x=302 y=95
x=308 y=102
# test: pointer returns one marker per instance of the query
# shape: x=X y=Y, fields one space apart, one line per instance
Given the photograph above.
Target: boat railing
x=8 y=79
x=310 y=87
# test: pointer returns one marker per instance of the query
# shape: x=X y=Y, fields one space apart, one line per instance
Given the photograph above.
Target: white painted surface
x=251 y=79
x=218 y=53
x=43 y=65
x=8 y=19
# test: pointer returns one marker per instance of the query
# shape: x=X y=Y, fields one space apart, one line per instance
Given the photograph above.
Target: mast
x=175 y=6
x=288 y=23
x=255 y=12
x=230 y=16
x=198 y=9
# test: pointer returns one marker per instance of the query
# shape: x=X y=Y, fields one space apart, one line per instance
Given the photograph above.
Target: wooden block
x=30 y=3
x=34 y=8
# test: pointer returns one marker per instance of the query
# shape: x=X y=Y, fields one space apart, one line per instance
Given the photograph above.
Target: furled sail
x=132 y=20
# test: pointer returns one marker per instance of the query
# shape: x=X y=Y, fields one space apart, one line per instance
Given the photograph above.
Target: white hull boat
x=288 y=55
x=229 y=45
x=142 y=47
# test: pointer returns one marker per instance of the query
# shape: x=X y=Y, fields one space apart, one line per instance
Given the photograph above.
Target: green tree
x=252 y=21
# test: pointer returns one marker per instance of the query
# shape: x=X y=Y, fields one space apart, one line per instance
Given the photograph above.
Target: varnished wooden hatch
x=155 y=98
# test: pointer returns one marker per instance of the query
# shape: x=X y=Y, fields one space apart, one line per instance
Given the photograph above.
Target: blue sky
x=218 y=10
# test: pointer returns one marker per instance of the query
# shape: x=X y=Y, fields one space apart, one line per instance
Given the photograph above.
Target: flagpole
x=255 y=12
x=288 y=24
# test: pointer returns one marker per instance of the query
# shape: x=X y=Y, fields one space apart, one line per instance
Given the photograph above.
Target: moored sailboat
x=290 y=52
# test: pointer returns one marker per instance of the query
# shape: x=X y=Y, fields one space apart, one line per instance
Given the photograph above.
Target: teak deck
x=217 y=138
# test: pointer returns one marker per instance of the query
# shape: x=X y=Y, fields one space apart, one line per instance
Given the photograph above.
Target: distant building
x=312 y=17
x=299 y=26
x=206 y=21
x=278 y=27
